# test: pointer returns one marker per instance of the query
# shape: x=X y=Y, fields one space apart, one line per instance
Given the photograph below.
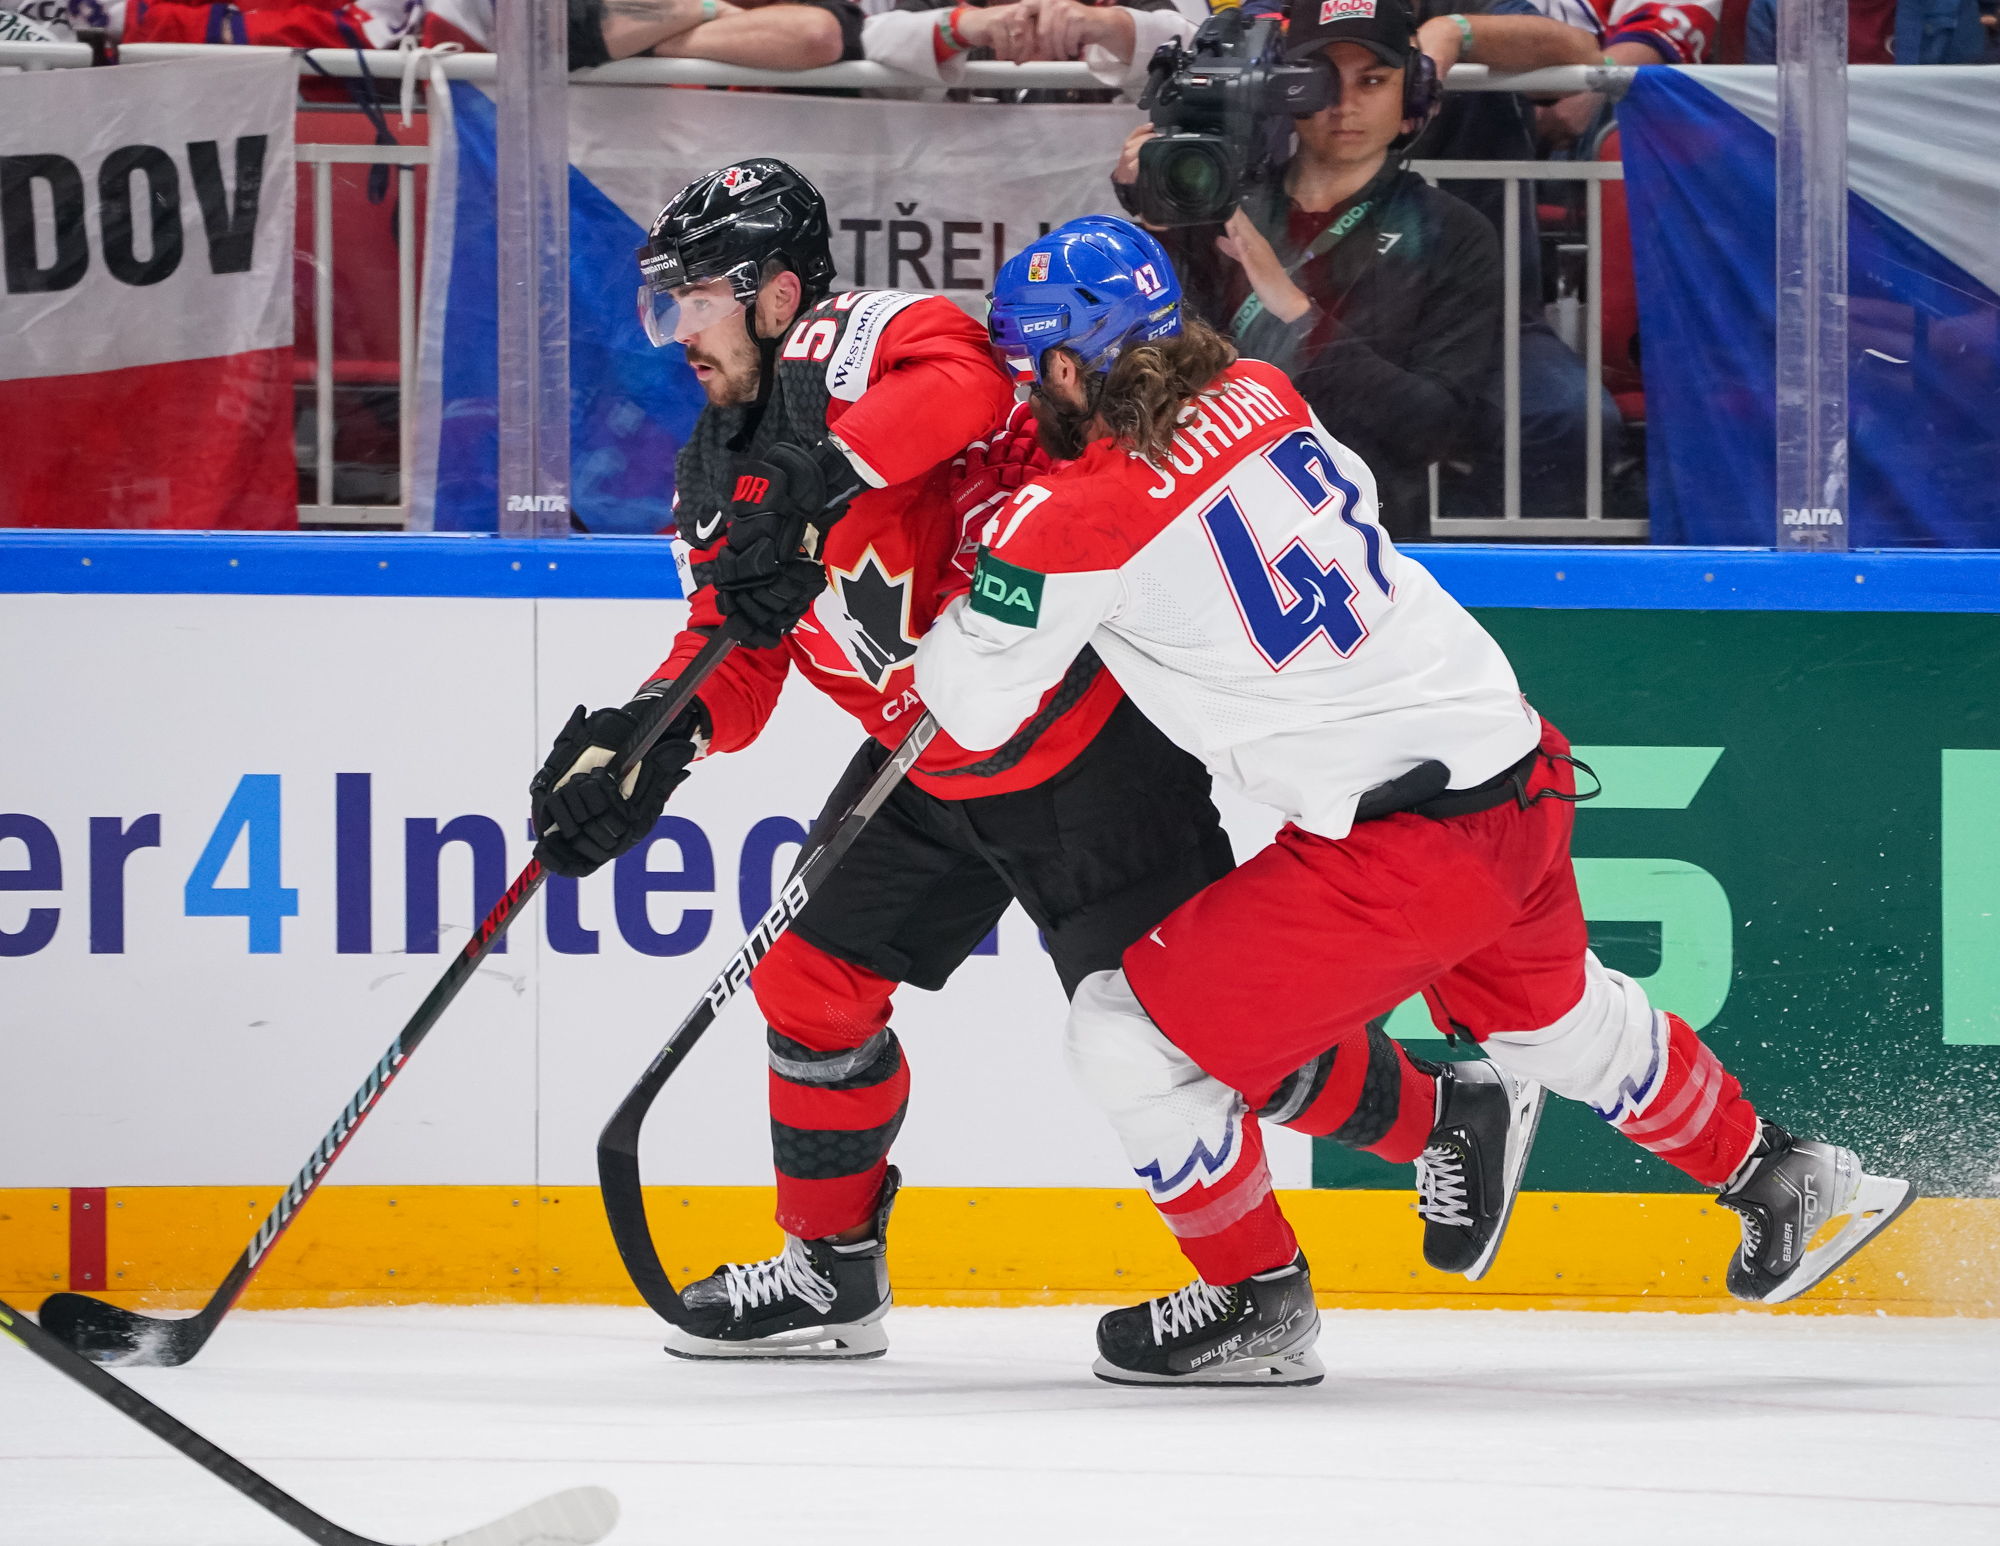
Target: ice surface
x=985 y=1426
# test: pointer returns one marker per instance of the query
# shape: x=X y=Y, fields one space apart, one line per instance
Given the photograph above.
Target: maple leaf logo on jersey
x=861 y=625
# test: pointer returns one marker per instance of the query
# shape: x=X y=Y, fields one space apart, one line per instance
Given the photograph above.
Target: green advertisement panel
x=1798 y=851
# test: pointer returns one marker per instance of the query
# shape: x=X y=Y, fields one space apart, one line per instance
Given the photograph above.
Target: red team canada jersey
x=1247 y=599
x=912 y=383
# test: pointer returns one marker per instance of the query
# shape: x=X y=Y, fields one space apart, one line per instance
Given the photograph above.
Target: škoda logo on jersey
x=1001 y=590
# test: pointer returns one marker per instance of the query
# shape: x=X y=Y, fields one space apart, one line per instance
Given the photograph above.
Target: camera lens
x=1194 y=180
x=1188 y=179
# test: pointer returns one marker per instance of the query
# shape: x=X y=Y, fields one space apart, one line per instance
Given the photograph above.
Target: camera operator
x=1377 y=294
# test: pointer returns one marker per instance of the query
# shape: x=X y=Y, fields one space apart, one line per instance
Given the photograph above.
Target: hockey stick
x=618 y=1144
x=577 y=1517
x=114 y=1336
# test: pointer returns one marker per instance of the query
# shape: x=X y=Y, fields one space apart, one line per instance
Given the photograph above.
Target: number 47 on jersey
x=1287 y=600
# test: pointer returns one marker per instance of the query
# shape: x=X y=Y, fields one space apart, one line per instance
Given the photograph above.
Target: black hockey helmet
x=728 y=224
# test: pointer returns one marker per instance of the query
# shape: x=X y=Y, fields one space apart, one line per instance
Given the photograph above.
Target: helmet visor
x=674 y=316
x=1020 y=334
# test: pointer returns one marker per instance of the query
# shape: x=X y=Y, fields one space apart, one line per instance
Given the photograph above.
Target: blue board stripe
x=335 y=564
x=332 y=564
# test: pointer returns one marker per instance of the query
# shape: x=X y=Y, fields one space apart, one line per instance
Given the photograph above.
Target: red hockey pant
x=1295 y=951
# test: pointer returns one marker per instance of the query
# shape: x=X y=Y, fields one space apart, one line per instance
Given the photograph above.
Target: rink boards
x=248 y=787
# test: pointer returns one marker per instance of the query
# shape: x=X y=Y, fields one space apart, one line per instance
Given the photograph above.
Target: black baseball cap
x=1383 y=27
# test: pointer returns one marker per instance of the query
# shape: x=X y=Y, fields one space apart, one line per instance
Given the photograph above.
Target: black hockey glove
x=582 y=818
x=770 y=572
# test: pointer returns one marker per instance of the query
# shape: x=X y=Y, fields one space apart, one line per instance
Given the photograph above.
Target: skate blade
x=1878 y=1202
x=1528 y=1098
x=813 y=1344
x=1288 y=1370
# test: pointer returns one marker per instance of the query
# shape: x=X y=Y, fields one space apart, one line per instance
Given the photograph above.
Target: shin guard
x=1369 y=1095
x=1191 y=1143
x=839 y=1086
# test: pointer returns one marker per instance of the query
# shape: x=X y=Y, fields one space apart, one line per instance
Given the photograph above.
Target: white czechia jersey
x=1247 y=599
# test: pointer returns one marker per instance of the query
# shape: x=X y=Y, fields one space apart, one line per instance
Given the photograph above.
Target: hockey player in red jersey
x=889 y=401
x=1219 y=549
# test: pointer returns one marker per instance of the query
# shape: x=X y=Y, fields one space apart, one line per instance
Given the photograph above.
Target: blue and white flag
x=631 y=405
x=1924 y=316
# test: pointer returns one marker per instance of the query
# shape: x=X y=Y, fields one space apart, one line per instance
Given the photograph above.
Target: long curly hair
x=1142 y=399
x=1151 y=383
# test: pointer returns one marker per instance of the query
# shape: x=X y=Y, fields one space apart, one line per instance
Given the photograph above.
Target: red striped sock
x=1698 y=1121
x=1233 y=1229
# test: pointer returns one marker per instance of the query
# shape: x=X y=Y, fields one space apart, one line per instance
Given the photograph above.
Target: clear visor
x=675 y=316
x=1020 y=334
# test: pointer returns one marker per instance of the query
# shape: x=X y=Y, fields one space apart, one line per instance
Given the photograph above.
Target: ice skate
x=1257 y=1332
x=814 y=1299
x=1791 y=1190
x=1471 y=1169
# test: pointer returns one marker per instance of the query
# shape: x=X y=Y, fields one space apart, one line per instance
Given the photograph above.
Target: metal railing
x=1511 y=523
x=862 y=74
x=323 y=159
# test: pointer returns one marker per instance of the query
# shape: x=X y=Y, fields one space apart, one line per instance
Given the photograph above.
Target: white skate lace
x=1753 y=1231
x=755 y=1284
x=1188 y=1309
x=1441 y=1186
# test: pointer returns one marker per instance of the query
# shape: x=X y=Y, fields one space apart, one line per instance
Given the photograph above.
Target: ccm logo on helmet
x=751 y=489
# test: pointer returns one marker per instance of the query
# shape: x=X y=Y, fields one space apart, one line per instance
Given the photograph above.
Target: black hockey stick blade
x=579 y=1517
x=111 y=1335
x=618 y=1145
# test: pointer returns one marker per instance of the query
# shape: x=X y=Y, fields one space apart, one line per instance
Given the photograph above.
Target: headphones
x=1423 y=92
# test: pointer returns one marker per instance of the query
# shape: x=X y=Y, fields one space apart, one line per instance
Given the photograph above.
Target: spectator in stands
x=59 y=21
x=1885 y=32
x=781 y=36
x=934 y=38
x=1379 y=295
x=1638 y=32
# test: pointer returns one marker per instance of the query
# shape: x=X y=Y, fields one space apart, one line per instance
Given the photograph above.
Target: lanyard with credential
x=1325 y=242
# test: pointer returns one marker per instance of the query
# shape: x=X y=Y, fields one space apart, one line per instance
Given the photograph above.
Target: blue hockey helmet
x=1094 y=285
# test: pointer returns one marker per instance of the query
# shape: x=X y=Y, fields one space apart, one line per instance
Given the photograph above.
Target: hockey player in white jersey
x=1220 y=551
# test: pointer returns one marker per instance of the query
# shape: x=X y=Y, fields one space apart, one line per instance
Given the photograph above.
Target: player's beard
x=738 y=369
x=1064 y=431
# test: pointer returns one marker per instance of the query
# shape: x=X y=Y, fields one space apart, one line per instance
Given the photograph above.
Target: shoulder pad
x=866 y=313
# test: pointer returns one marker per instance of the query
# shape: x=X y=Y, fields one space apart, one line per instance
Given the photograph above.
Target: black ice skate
x=1257 y=1332
x=814 y=1299
x=1471 y=1169
x=1791 y=1189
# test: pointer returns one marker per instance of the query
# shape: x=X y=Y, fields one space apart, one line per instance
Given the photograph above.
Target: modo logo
x=139 y=200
